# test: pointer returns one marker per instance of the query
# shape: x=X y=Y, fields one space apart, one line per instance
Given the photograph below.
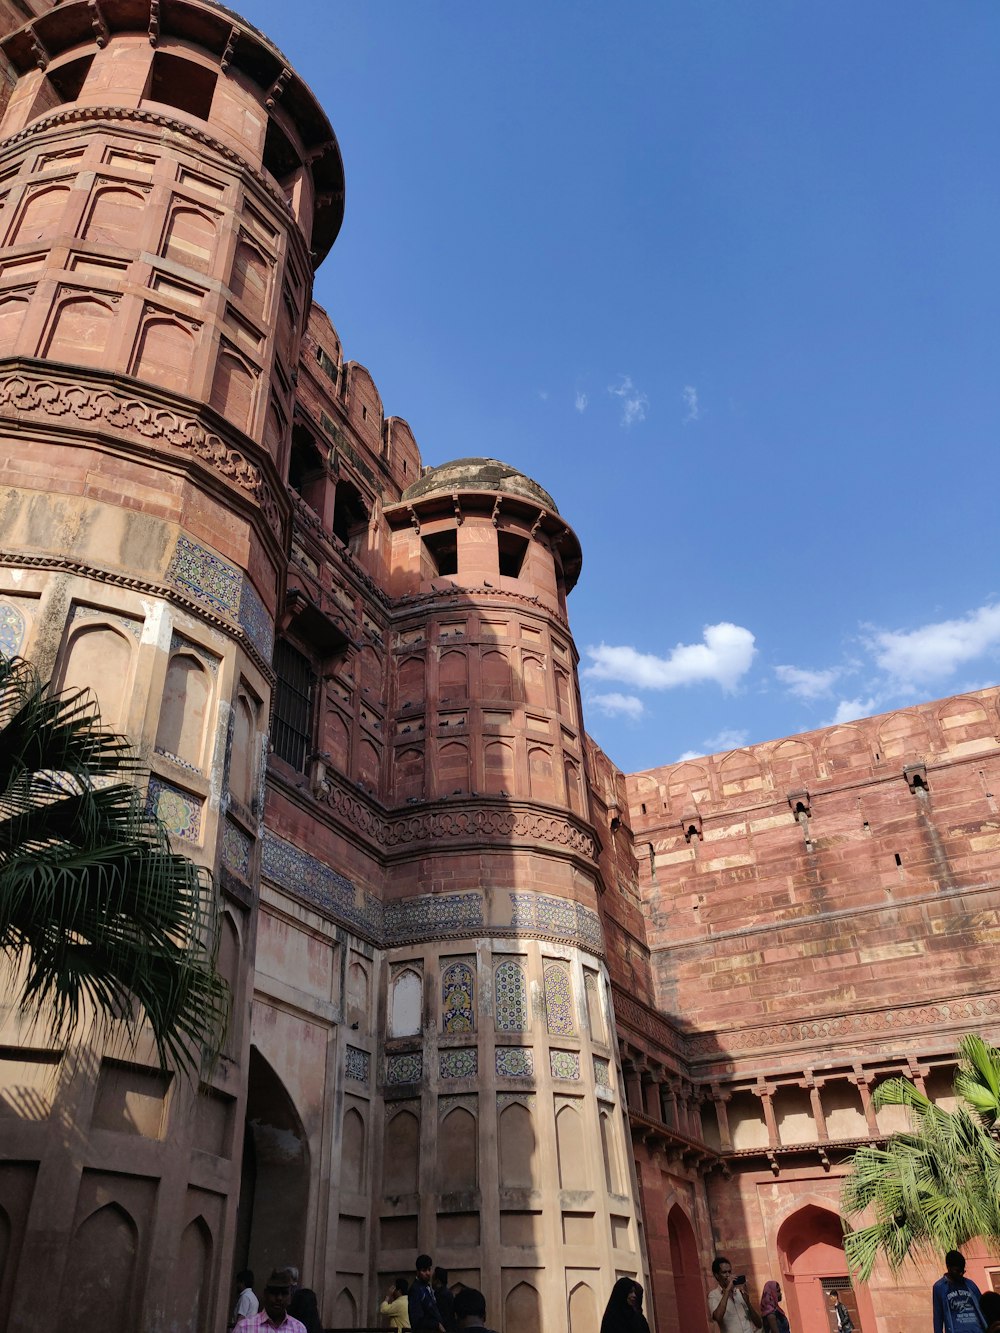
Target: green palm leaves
x=96 y=913
x=936 y=1186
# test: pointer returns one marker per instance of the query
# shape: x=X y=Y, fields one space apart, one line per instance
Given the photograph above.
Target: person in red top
x=274 y=1315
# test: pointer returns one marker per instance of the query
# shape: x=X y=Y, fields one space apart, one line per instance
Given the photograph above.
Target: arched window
x=184 y=712
x=406 y=1003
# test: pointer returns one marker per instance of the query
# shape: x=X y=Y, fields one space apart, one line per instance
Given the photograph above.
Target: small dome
x=479 y=474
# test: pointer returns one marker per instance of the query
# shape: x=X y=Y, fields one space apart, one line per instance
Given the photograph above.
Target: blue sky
x=724 y=278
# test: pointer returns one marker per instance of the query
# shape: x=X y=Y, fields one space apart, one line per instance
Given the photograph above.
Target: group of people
x=287 y=1306
x=428 y=1304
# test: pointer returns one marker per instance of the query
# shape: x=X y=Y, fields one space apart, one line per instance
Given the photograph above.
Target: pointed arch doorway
x=689 y=1290
x=811 y=1252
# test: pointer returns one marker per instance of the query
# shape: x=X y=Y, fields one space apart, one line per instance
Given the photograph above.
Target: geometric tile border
x=357 y=1065
x=408 y=1068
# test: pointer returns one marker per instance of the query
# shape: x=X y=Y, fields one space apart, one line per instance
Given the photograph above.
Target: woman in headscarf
x=774 y=1317
x=624 y=1312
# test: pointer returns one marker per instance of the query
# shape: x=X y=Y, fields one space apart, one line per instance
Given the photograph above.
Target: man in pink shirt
x=274 y=1315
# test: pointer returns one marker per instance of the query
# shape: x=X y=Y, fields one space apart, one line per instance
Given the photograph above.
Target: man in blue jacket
x=956 y=1299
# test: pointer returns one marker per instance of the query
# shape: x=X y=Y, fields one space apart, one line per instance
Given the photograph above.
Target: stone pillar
x=766 y=1095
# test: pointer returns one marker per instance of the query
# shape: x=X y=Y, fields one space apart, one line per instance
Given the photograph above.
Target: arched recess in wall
x=337 y=739
x=79 y=332
x=498 y=768
x=533 y=671
x=541 y=777
x=12 y=312
x=401 y=1159
x=453 y=769
x=369 y=763
x=741 y=773
x=345 y=1311
x=684 y=1266
x=845 y=748
x=274 y=1189
x=688 y=785
x=228 y=963
x=518 y=1147
x=793 y=764
x=810 y=1244
x=370 y=671
x=41 y=215
x=522 y=1309
x=410 y=682
x=190 y=238
x=100 y=1274
x=352 y=1156
x=571 y=774
x=564 y=696
x=243 y=754
x=453 y=676
x=251 y=277
x=960 y=719
x=115 y=216
x=357 y=996
x=609 y=1151
x=458 y=1154
x=194 y=1268
x=99 y=658
x=409 y=783
x=595 y=1005
x=164 y=354
x=185 y=710
x=582 y=1309
x=234 y=388
x=405 y=1004
x=904 y=736
x=496 y=677
x=572 y=1150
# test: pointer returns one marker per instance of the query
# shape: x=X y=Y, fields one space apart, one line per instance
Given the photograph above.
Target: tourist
x=774 y=1317
x=956 y=1299
x=470 y=1309
x=305 y=1308
x=845 y=1324
x=277 y=1296
x=445 y=1300
x=728 y=1302
x=624 y=1309
x=424 y=1313
x=246 y=1302
x=396 y=1306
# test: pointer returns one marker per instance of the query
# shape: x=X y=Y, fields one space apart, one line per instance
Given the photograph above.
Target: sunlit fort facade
x=494 y=999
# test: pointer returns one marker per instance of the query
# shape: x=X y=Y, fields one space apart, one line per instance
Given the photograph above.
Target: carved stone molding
x=129 y=414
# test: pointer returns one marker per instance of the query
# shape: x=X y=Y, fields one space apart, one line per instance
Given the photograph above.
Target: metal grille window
x=293 y=705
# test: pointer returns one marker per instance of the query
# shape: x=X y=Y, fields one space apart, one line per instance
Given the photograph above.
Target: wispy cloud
x=849 y=710
x=690 y=396
x=935 y=651
x=617 y=705
x=634 y=402
x=580 y=401
x=724 y=656
x=805 y=684
x=730 y=738
x=543 y=394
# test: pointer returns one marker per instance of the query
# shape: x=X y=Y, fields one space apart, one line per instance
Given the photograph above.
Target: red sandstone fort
x=494 y=998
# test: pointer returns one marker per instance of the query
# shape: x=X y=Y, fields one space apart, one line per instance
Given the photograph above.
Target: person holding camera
x=728 y=1302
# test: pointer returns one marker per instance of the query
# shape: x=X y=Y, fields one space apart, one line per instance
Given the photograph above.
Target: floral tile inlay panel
x=565 y=1064
x=559 y=1001
x=459 y=1064
x=457 y=998
x=179 y=810
x=515 y=1062
x=602 y=1072
x=511 y=1004
x=408 y=1068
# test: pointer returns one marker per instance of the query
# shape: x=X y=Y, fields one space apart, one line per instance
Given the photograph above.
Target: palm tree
x=97 y=915
x=936 y=1186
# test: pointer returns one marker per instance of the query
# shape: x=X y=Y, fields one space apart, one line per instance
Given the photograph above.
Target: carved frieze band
x=427 y=916
x=55 y=398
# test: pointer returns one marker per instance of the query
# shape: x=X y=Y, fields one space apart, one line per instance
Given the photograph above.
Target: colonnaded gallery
x=494 y=998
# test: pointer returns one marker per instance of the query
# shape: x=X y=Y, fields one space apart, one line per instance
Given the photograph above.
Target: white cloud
x=849 y=710
x=543 y=395
x=615 y=705
x=724 y=656
x=634 y=401
x=730 y=738
x=935 y=651
x=805 y=684
x=690 y=395
x=580 y=401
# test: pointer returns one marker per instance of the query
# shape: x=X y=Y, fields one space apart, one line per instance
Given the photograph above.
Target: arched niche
x=810 y=1245
x=846 y=748
x=190 y=238
x=498 y=768
x=688 y=786
x=80 y=332
x=345 y=1310
x=194 y=1291
x=904 y=736
x=243 y=754
x=12 y=312
x=100 y=1274
x=274 y=1190
x=453 y=676
x=453 y=769
x=522 y=1309
x=337 y=739
x=740 y=773
x=405 y=1004
x=793 y=764
x=571 y=775
x=369 y=764
x=686 y=1272
x=357 y=996
x=185 y=709
x=609 y=1151
x=496 y=676
x=533 y=674
x=410 y=682
x=409 y=783
x=115 y=216
x=401 y=1159
x=234 y=388
x=41 y=215
x=352 y=1156
x=564 y=696
x=572 y=1150
x=164 y=354
x=370 y=671
x=518 y=1147
x=250 y=277
x=961 y=719
x=98 y=657
x=541 y=777
x=458 y=1158
x=582 y=1309
x=350 y=516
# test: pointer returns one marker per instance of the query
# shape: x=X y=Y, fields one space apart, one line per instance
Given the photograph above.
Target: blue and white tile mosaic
x=236 y=849
x=565 y=1064
x=206 y=577
x=407 y=1068
x=458 y=1064
x=559 y=1016
x=515 y=1062
x=458 y=998
x=11 y=629
x=255 y=620
x=357 y=1065
x=432 y=914
x=539 y=913
x=309 y=879
x=511 y=997
x=178 y=810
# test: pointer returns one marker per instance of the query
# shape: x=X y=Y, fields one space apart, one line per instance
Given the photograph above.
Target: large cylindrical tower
x=168 y=185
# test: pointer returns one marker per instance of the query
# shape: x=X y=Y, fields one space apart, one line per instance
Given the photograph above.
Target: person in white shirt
x=728 y=1303
x=247 y=1303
